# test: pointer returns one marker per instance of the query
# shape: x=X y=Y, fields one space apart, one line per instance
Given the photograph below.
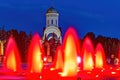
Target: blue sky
x=99 y=16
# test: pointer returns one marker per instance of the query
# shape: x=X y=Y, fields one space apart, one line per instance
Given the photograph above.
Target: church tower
x=52 y=36
x=52 y=26
x=52 y=17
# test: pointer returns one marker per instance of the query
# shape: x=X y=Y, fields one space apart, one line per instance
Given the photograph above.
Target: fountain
x=69 y=67
x=91 y=63
x=35 y=52
x=87 y=54
x=12 y=63
x=58 y=61
x=71 y=49
x=35 y=58
x=55 y=68
x=100 y=57
x=103 y=70
x=12 y=59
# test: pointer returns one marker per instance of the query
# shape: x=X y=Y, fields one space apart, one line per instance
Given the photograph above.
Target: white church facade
x=52 y=35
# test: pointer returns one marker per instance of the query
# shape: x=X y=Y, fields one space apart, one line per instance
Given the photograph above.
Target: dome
x=51 y=10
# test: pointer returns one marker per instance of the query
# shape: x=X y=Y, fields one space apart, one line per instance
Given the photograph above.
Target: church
x=52 y=34
x=51 y=39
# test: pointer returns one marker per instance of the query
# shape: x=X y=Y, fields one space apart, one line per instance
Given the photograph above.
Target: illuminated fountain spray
x=70 y=48
x=12 y=59
x=87 y=55
x=99 y=57
x=65 y=67
x=58 y=61
x=35 y=53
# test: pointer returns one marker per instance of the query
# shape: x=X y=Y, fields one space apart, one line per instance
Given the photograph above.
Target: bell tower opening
x=52 y=37
x=52 y=17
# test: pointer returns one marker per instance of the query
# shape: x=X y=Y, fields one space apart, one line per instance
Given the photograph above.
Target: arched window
x=56 y=22
x=52 y=21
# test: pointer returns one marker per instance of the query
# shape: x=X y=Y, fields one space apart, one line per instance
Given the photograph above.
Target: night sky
x=99 y=16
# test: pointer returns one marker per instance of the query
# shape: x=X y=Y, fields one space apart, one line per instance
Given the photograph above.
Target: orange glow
x=99 y=56
x=88 y=65
x=99 y=60
x=87 y=51
x=35 y=62
x=58 y=59
x=12 y=60
x=71 y=46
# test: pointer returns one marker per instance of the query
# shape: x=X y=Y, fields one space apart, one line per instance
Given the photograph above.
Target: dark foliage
x=110 y=45
x=21 y=38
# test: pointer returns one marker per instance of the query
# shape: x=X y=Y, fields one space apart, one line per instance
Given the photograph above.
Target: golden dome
x=51 y=10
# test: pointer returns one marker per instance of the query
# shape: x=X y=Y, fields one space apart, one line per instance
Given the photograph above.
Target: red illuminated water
x=71 y=50
x=71 y=62
x=58 y=61
x=12 y=58
x=100 y=57
x=35 y=55
x=87 y=55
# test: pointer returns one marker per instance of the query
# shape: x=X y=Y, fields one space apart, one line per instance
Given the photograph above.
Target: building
x=52 y=36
